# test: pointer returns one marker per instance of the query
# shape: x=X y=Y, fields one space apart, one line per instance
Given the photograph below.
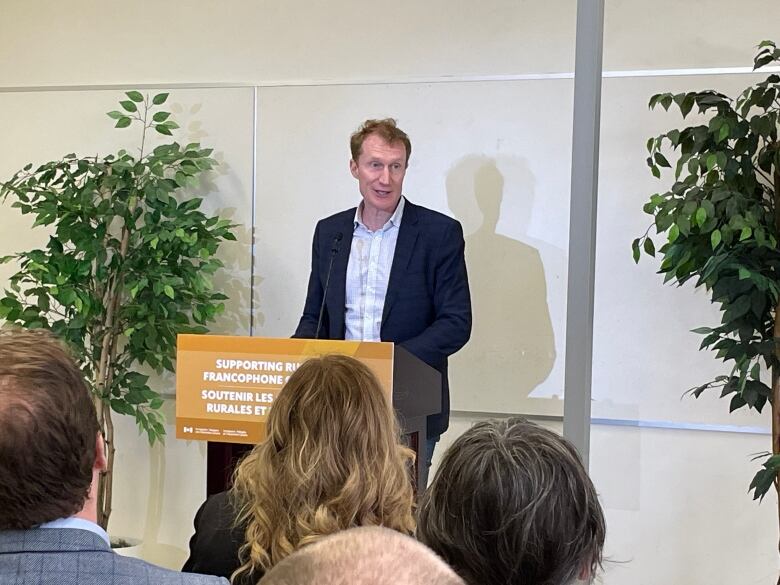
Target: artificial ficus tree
x=127 y=267
x=721 y=222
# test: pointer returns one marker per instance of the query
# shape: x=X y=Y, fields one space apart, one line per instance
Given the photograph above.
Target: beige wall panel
x=91 y=42
x=645 y=356
x=494 y=155
x=248 y=41
x=669 y=34
x=678 y=510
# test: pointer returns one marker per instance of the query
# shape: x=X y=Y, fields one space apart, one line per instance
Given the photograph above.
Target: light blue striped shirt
x=368 y=272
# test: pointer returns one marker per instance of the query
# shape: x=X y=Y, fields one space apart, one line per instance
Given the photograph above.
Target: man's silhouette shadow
x=512 y=342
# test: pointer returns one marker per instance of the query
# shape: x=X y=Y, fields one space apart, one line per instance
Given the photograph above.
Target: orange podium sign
x=225 y=385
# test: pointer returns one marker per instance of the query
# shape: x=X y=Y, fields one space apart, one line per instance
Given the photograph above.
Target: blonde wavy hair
x=332 y=459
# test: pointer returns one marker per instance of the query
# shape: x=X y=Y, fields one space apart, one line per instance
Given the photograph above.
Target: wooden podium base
x=221 y=461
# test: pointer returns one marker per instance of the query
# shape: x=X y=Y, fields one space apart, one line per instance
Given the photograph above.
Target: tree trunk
x=776 y=419
x=105 y=376
x=776 y=367
x=105 y=483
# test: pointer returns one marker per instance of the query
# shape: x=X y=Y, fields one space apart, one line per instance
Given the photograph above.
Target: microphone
x=334 y=249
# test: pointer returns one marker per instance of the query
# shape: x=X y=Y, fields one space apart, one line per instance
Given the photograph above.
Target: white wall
x=676 y=500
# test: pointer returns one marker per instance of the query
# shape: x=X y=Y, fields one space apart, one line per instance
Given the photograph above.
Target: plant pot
x=127 y=547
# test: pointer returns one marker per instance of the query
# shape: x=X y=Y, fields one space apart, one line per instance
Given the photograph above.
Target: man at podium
x=390 y=270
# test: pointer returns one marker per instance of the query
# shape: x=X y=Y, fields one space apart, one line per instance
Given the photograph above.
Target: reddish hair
x=386 y=129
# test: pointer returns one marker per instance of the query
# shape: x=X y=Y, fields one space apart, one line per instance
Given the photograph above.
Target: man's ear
x=353 y=168
x=101 y=463
x=584 y=574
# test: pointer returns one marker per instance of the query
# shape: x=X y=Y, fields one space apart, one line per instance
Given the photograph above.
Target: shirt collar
x=79 y=523
x=395 y=219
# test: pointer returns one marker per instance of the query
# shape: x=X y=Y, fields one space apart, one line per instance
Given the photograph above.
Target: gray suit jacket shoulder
x=69 y=556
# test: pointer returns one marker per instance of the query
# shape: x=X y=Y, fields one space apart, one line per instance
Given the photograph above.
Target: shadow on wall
x=512 y=346
x=153 y=549
x=223 y=193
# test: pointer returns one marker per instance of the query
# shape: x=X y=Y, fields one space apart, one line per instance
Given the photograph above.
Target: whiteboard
x=494 y=155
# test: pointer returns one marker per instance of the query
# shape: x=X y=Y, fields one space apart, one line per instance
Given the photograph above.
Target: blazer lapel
x=337 y=289
x=404 y=248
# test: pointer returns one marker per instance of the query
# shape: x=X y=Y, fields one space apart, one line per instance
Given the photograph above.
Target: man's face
x=380 y=171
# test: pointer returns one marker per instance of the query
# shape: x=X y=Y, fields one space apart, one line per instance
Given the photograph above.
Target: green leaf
x=738 y=308
x=737 y=402
x=168 y=290
x=129 y=106
x=123 y=122
x=723 y=133
x=701 y=216
x=687 y=104
x=744 y=273
x=674 y=233
x=135 y=96
x=702 y=330
x=122 y=407
x=159 y=99
x=115 y=114
x=745 y=234
x=635 y=250
x=661 y=160
x=161 y=116
x=163 y=129
x=649 y=247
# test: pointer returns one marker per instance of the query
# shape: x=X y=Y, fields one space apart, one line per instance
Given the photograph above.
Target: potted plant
x=721 y=221
x=127 y=266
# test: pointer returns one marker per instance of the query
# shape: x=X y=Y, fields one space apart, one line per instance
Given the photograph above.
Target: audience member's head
x=511 y=503
x=332 y=460
x=49 y=452
x=363 y=556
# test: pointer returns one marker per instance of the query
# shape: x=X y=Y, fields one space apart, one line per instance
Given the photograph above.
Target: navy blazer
x=427 y=307
x=215 y=544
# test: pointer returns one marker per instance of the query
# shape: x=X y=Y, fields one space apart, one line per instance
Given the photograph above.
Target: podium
x=204 y=362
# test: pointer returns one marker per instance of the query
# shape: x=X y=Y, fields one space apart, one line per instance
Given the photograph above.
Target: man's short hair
x=48 y=429
x=512 y=503
x=386 y=129
x=368 y=555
